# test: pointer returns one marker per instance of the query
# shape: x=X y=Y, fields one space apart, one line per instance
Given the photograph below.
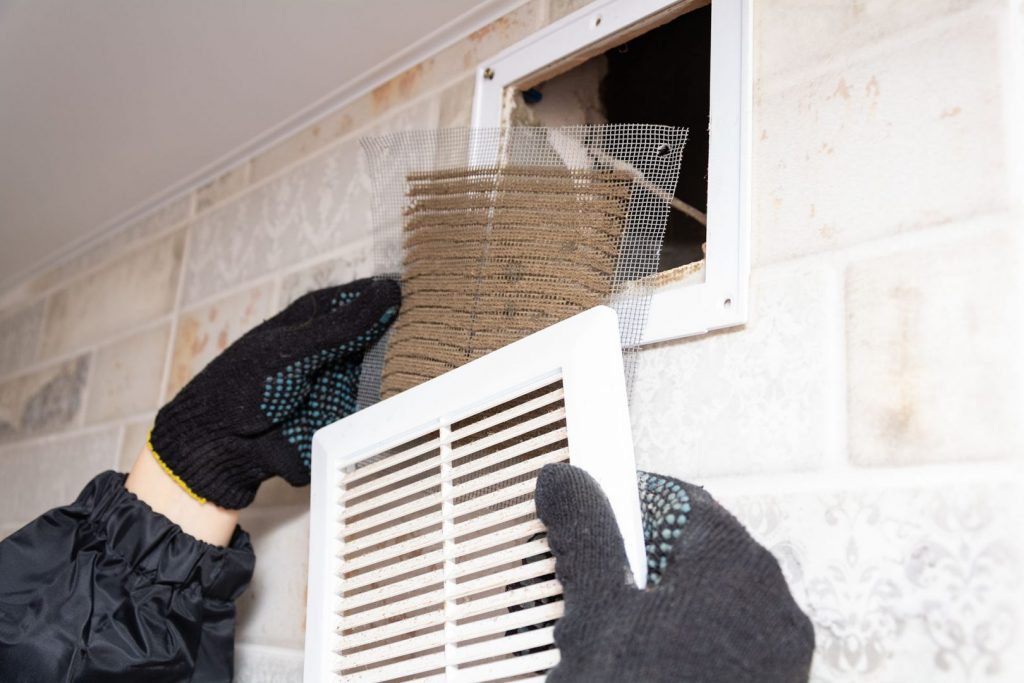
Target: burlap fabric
x=491 y=255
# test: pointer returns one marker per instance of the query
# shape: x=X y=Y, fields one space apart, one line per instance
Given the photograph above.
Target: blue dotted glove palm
x=716 y=610
x=251 y=413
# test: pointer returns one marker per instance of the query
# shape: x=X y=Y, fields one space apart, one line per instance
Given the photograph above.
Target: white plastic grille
x=427 y=559
x=445 y=567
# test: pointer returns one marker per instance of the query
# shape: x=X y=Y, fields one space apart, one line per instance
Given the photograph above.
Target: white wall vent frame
x=426 y=559
x=721 y=300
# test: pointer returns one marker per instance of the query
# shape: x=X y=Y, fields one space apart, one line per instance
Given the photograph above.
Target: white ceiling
x=106 y=104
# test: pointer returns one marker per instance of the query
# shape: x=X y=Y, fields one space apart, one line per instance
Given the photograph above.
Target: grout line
x=931 y=475
x=172 y=340
x=298 y=266
x=47 y=292
x=776 y=82
x=65 y=357
x=925 y=236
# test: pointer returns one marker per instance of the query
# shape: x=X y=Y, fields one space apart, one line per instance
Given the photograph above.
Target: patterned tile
x=934 y=367
x=273 y=609
x=319 y=206
x=222 y=187
x=746 y=400
x=40 y=475
x=19 y=337
x=305 y=143
x=344 y=267
x=936 y=116
x=46 y=400
x=134 y=289
x=204 y=332
x=902 y=584
x=256 y=664
x=126 y=376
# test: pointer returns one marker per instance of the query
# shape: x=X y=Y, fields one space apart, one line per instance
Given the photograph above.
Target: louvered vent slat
x=438 y=567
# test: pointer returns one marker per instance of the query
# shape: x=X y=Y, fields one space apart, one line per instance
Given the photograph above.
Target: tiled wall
x=866 y=423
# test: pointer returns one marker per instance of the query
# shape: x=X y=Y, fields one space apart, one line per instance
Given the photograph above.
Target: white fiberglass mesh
x=495 y=234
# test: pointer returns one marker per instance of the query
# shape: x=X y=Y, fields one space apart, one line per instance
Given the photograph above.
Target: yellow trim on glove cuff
x=177 y=480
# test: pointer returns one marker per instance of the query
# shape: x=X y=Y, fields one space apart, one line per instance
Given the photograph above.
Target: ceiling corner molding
x=484 y=13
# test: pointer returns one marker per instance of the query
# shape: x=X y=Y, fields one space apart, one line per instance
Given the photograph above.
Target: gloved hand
x=251 y=413
x=720 y=611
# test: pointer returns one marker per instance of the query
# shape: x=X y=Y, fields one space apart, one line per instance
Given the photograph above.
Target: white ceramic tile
x=257 y=664
x=319 y=206
x=751 y=399
x=935 y=370
x=48 y=473
x=914 y=134
x=902 y=584
x=272 y=611
x=126 y=375
x=790 y=35
x=132 y=290
x=45 y=400
x=19 y=337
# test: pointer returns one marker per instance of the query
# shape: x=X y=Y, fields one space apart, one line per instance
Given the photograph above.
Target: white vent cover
x=426 y=559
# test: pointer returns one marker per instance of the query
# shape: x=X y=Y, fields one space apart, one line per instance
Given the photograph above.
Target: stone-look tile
x=132 y=442
x=222 y=187
x=43 y=474
x=256 y=664
x=126 y=376
x=19 y=337
x=342 y=268
x=317 y=207
x=790 y=35
x=902 y=584
x=204 y=332
x=169 y=215
x=462 y=57
x=272 y=611
x=935 y=371
x=910 y=136
x=559 y=8
x=457 y=104
x=132 y=290
x=46 y=400
x=304 y=143
x=746 y=400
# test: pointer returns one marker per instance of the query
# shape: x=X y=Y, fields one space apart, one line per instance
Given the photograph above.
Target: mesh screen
x=498 y=233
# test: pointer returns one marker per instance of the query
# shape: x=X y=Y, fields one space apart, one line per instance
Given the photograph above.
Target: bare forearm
x=154 y=486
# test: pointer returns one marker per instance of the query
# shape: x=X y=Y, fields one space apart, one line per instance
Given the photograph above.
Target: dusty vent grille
x=445 y=568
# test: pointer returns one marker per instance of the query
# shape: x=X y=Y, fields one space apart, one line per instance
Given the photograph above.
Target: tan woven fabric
x=492 y=255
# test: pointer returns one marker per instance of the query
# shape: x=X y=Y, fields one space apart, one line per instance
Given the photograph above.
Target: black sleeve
x=107 y=590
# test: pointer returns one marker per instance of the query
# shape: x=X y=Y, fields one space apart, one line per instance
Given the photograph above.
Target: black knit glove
x=720 y=613
x=251 y=413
